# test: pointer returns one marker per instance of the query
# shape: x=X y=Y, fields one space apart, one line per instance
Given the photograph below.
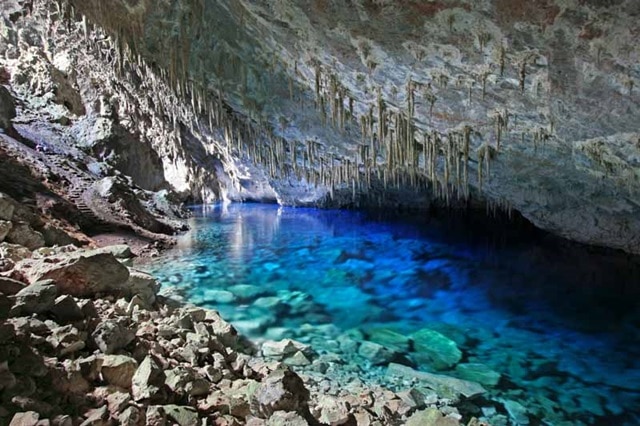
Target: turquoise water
x=559 y=323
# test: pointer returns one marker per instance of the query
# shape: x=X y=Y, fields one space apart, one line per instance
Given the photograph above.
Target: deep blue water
x=560 y=322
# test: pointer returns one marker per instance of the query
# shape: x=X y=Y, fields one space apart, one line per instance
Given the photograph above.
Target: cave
x=318 y=212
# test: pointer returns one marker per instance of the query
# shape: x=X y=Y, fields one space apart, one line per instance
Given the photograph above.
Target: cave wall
x=529 y=105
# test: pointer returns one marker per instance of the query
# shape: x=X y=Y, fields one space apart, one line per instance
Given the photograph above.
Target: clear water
x=559 y=323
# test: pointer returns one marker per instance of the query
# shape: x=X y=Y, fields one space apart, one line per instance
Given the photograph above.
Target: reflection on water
x=557 y=320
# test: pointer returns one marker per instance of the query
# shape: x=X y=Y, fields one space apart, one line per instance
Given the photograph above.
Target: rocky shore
x=86 y=340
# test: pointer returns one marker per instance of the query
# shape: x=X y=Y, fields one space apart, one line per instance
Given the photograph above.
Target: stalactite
x=465 y=159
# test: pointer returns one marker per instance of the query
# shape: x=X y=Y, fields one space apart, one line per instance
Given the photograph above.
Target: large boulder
x=22 y=234
x=80 y=274
x=7 y=108
x=281 y=390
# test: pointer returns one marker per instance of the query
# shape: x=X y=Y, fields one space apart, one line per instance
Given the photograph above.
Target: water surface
x=559 y=322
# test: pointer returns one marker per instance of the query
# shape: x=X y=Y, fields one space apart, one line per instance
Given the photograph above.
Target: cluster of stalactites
x=393 y=152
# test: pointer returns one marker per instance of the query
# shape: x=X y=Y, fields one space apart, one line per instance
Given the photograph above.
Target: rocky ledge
x=87 y=340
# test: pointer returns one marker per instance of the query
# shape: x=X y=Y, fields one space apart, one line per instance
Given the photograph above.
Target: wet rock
x=29 y=418
x=37 y=297
x=22 y=234
x=5 y=227
x=430 y=417
x=10 y=287
x=284 y=418
x=118 y=370
x=65 y=309
x=7 y=108
x=148 y=381
x=78 y=274
x=281 y=390
x=112 y=335
x=479 y=373
x=434 y=348
x=445 y=386
x=376 y=353
x=182 y=415
x=333 y=411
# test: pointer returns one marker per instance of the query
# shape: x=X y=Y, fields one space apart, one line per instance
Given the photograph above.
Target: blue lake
x=560 y=323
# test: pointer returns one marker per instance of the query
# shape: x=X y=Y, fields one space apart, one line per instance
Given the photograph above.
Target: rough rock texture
x=78 y=274
x=530 y=105
x=7 y=108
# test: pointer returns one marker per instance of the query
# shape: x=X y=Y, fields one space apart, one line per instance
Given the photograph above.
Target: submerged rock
x=478 y=373
x=376 y=353
x=445 y=386
x=435 y=349
x=517 y=412
x=389 y=339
